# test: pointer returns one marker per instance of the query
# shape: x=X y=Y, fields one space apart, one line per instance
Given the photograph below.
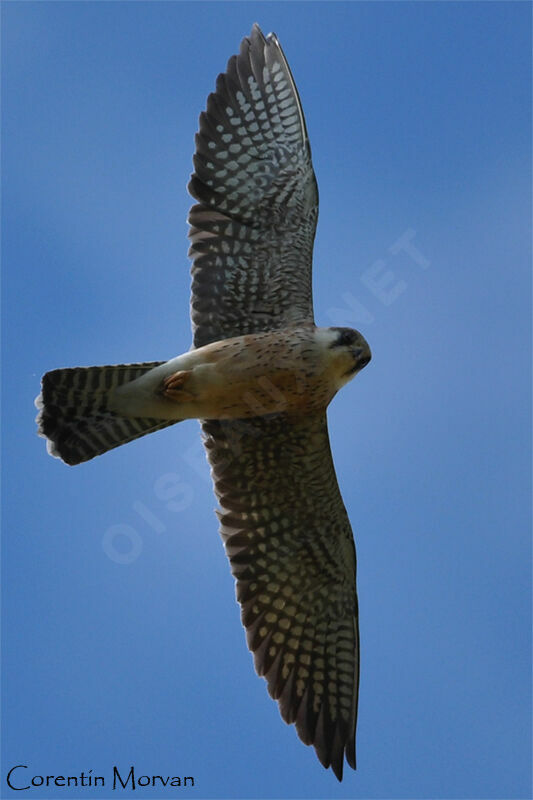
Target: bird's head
x=349 y=351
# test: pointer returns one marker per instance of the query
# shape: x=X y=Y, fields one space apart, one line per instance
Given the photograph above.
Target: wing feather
x=253 y=228
x=291 y=550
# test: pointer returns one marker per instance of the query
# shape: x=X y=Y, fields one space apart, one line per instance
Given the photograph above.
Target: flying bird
x=259 y=376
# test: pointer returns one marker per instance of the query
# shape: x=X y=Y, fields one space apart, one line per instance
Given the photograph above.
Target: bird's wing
x=291 y=549
x=252 y=231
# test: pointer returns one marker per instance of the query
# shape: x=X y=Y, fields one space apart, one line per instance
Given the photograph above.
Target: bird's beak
x=362 y=355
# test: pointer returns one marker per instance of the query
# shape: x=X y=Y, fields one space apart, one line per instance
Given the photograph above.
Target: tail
x=74 y=414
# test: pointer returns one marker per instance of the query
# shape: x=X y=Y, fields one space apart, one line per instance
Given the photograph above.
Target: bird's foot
x=173 y=389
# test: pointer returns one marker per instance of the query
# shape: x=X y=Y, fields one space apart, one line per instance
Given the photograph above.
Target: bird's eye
x=345 y=337
x=363 y=362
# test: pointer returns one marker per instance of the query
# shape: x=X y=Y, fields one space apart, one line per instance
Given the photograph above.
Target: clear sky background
x=122 y=639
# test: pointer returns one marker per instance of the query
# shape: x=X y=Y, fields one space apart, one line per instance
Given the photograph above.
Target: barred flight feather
x=253 y=230
x=74 y=416
x=290 y=545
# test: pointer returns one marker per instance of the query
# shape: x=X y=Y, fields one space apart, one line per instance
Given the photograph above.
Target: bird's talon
x=172 y=386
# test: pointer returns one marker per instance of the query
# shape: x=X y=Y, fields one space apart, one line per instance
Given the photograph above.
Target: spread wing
x=283 y=521
x=252 y=231
x=290 y=545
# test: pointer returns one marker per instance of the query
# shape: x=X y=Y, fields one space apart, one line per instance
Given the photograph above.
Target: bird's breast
x=246 y=376
x=263 y=374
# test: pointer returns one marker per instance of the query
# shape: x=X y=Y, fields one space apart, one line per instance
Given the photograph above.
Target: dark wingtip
x=257 y=36
x=350 y=754
x=256 y=30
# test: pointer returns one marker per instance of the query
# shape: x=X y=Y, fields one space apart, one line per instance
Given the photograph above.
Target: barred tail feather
x=74 y=415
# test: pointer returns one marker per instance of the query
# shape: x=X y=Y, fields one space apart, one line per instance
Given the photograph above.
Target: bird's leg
x=173 y=386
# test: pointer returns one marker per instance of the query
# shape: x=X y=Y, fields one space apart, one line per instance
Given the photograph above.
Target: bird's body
x=260 y=376
x=295 y=372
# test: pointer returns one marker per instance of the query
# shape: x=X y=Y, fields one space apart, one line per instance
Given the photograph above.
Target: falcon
x=259 y=376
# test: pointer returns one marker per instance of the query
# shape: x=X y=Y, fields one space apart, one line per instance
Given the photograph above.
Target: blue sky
x=122 y=641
